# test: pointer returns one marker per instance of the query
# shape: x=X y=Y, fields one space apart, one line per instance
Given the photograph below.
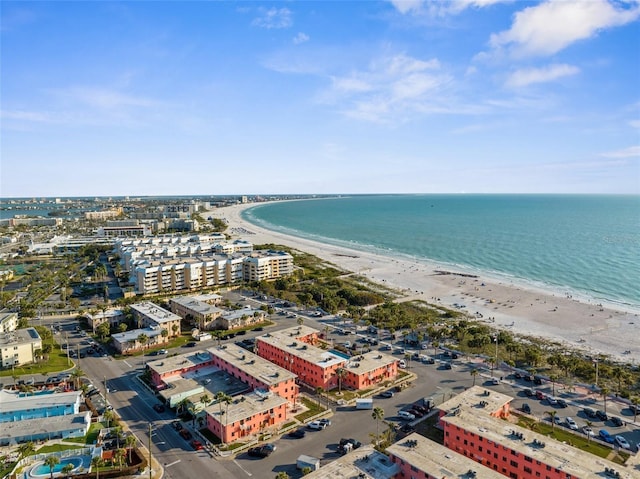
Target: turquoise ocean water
x=587 y=246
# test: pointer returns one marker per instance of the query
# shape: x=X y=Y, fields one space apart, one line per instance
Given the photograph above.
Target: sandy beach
x=523 y=309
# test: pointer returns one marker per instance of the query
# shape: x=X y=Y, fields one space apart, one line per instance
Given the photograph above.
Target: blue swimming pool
x=42 y=470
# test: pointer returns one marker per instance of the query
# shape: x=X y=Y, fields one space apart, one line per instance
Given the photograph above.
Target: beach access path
x=523 y=309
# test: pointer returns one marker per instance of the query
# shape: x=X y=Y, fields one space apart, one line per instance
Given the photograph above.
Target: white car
x=551 y=400
x=494 y=381
x=406 y=415
x=571 y=424
x=588 y=431
x=316 y=425
x=622 y=442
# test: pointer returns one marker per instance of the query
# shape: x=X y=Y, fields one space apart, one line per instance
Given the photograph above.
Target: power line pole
x=150 y=451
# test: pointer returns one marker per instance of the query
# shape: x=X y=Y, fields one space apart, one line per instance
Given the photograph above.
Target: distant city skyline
x=403 y=96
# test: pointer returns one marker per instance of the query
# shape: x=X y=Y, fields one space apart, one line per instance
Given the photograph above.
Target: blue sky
x=166 y=98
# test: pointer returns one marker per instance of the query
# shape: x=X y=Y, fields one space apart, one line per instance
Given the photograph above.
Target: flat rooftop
x=47 y=425
x=196 y=305
x=541 y=448
x=245 y=407
x=436 y=460
x=362 y=463
x=188 y=360
x=252 y=364
x=287 y=341
x=154 y=312
x=16 y=401
x=472 y=397
x=232 y=314
x=370 y=361
x=133 y=335
x=19 y=336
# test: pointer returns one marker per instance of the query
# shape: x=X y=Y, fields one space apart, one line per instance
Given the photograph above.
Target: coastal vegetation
x=318 y=284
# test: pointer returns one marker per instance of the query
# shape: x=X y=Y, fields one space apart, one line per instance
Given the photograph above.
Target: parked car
x=571 y=424
x=406 y=415
x=261 y=451
x=197 y=445
x=517 y=375
x=588 y=431
x=526 y=408
x=551 y=400
x=602 y=415
x=420 y=408
x=616 y=421
x=540 y=395
x=158 y=408
x=177 y=425
x=402 y=364
x=447 y=365
x=589 y=412
x=163 y=351
x=605 y=436
x=537 y=381
x=326 y=422
x=561 y=402
x=186 y=435
x=316 y=425
x=386 y=394
x=622 y=442
x=297 y=433
x=494 y=381
x=529 y=392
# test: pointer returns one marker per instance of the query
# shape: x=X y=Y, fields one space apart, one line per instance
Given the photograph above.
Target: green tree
x=636 y=402
x=552 y=415
x=143 y=339
x=76 y=374
x=282 y=475
x=103 y=331
x=26 y=449
x=319 y=392
x=377 y=415
x=604 y=392
x=109 y=416
x=474 y=373
x=97 y=462
x=340 y=373
x=129 y=442
x=122 y=327
x=66 y=469
x=51 y=461
x=119 y=455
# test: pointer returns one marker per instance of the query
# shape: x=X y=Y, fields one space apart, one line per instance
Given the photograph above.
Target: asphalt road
x=133 y=403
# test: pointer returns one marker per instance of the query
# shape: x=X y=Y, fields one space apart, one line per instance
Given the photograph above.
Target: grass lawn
x=56 y=448
x=314 y=409
x=91 y=437
x=578 y=441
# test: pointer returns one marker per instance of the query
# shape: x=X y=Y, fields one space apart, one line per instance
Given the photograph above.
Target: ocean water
x=587 y=246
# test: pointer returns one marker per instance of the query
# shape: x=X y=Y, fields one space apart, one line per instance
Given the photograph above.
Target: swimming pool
x=42 y=470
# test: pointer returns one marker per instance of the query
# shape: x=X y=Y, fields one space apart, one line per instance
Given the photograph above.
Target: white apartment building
x=18 y=347
x=267 y=265
x=150 y=315
x=8 y=322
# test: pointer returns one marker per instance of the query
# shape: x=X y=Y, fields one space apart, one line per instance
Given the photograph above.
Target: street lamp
x=495 y=364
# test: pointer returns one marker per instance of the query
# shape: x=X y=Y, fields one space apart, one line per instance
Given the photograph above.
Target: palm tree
x=223 y=397
x=319 y=392
x=66 y=469
x=98 y=462
x=129 y=442
x=605 y=392
x=76 y=375
x=181 y=405
x=474 y=373
x=109 y=416
x=52 y=461
x=635 y=401
x=119 y=455
x=340 y=372
x=205 y=399
x=282 y=475
x=552 y=415
x=300 y=321
x=588 y=424
x=142 y=339
x=26 y=449
x=377 y=415
x=553 y=378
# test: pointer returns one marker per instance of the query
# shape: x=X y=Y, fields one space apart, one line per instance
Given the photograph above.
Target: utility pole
x=495 y=364
x=150 y=451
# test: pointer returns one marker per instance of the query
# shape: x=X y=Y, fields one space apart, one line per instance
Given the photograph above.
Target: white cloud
x=273 y=18
x=390 y=88
x=631 y=152
x=23 y=115
x=554 y=25
x=300 y=38
x=634 y=124
x=103 y=98
x=440 y=7
x=527 y=76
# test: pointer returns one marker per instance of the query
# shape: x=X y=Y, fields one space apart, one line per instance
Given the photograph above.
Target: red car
x=197 y=445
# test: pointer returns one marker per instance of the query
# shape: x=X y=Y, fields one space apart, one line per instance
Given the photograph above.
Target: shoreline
x=525 y=309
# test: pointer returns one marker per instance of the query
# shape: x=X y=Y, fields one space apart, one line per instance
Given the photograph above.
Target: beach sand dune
x=522 y=309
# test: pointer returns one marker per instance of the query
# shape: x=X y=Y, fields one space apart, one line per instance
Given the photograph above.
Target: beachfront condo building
x=8 y=322
x=475 y=425
x=298 y=349
x=19 y=347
